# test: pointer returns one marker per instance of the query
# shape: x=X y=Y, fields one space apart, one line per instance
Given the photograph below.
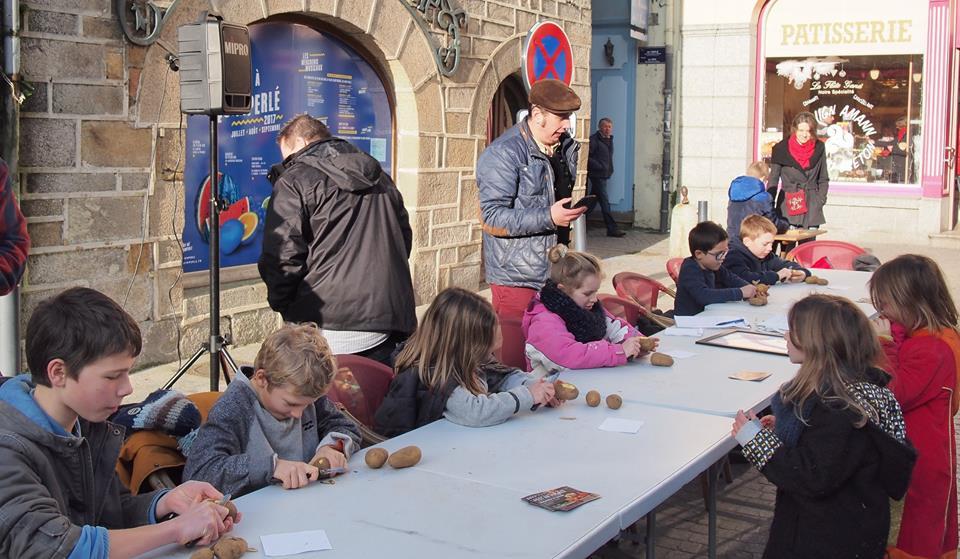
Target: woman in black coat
x=799 y=166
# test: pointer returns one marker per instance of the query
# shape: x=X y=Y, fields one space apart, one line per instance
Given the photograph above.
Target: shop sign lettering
x=847 y=33
x=840 y=140
x=835 y=87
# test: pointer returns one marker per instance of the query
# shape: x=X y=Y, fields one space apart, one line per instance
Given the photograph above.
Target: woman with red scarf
x=799 y=167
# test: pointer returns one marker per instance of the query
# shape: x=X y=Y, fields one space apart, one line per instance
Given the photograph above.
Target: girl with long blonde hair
x=835 y=446
x=918 y=330
x=447 y=369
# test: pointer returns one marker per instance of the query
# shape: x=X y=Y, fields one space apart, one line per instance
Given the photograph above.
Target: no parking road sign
x=547 y=55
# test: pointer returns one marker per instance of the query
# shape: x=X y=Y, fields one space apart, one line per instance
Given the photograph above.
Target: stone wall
x=102 y=150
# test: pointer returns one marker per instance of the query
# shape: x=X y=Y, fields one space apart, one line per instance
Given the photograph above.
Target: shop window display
x=868 y=110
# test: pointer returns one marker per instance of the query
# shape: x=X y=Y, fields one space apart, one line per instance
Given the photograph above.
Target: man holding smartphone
x=599 y=169
x=524 y=179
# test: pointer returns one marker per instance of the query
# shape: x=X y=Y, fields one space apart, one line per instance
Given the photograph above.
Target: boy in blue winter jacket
x=747 y=196
x=751 y=256
x=60 y=496
x=703 y=280
x=269 y=427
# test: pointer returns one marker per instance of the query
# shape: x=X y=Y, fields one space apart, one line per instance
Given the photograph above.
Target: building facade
x=877 y=74
x=103 y=147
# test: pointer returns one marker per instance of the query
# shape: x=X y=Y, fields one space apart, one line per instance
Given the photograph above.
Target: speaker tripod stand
x=220 y=359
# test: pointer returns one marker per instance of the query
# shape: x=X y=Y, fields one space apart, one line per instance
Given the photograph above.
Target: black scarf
x=585 y=325
x=788 y=427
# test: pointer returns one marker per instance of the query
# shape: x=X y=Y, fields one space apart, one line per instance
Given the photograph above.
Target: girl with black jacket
x=836 y=445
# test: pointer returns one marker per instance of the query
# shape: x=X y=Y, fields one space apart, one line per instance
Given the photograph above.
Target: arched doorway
x=297 y=69
x=509 y=98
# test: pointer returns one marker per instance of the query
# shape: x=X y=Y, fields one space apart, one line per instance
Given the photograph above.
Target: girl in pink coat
x=567 y=328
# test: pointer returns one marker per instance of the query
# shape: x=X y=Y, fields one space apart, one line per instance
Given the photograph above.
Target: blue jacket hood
x=745 y=188
x=18 y=392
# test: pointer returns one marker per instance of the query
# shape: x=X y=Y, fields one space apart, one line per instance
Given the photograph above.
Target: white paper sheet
x=674 y=331
x=776 y=323
x=678 y=353
x=709 y=321
x=616 y=425
x=293 y=543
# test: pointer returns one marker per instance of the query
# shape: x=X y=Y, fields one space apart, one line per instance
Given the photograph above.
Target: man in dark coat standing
x=336 y=242
x=599 y=169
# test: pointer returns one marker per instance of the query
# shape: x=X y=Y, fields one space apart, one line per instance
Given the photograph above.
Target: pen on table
x=730 y=322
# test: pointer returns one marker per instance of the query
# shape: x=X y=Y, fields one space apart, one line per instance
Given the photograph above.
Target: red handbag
x=796 y=202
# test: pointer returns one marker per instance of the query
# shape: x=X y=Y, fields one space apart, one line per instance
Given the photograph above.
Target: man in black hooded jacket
x=336 y=243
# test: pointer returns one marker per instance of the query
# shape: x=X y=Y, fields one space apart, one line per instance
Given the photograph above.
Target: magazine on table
x=561 y=499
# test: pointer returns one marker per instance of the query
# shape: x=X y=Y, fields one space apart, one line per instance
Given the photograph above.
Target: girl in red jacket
x=918 y=330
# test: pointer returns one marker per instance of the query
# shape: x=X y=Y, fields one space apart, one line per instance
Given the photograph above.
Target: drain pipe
x=671 y=87
x=9 y=151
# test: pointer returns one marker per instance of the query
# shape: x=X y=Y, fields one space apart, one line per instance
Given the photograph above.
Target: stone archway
x=386 y=33
x=504 y=61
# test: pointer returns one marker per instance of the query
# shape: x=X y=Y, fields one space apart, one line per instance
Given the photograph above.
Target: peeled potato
x=648 y=344
x=230 y=548
x=205 y=553
x=376 y=458
x=565 y=390
x=614 y=401
x=405 y=457
x=661 y=360
x=320 y=463
x=593 y=398
x=758 y=301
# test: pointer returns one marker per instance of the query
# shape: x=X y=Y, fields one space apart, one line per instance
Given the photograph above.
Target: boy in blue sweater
x=269 y=427
x=60 y=495
x=703 y=280
x=751 y=256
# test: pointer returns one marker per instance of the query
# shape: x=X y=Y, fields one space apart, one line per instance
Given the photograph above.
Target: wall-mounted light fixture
x=608 y=52
x=875 y=73
x=917 y=76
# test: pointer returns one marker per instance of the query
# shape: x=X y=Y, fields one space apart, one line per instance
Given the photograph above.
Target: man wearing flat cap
x=525 y=178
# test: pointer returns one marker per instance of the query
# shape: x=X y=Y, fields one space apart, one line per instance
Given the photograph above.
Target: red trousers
x=511 y=302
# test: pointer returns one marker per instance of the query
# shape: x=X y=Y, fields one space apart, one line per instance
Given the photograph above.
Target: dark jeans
x=598 y=187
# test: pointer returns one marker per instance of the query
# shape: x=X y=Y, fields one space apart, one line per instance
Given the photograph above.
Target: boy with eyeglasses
x=703 y=280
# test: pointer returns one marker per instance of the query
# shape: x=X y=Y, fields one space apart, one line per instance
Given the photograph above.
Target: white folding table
x=464 y=498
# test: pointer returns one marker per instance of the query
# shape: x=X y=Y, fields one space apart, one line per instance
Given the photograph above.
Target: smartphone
x=584 y=202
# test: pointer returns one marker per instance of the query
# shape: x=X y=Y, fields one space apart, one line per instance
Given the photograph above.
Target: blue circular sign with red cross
x=547 y=55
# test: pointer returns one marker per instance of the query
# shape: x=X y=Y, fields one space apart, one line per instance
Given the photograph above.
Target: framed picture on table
x=748 y=340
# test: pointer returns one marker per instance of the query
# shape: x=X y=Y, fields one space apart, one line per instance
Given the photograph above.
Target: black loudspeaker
x=215 y=67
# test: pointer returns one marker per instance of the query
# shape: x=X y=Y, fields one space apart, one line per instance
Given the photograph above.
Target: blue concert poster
x=296 y=69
